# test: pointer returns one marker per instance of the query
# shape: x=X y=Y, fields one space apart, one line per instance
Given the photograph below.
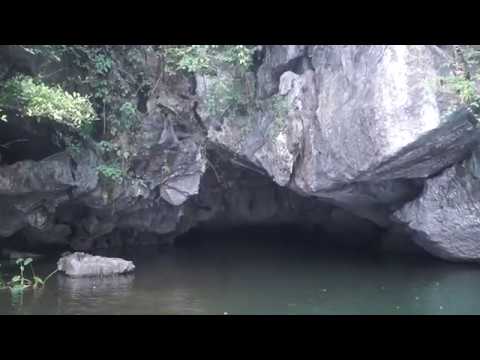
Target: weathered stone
x=354 y=127
x=278 y=59
x=363 y=125
x=56 y=234
x=80 y=264
x=445 y=218
x=381 y=116
x=52 y=174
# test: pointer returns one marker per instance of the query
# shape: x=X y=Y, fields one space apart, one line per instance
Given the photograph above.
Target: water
x=241 y=274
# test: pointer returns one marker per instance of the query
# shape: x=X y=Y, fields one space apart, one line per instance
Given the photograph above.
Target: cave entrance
x=281 y=239
x=20 y=140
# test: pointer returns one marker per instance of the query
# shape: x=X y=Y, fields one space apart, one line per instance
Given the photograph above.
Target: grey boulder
x=81 y=264
x=445 y=218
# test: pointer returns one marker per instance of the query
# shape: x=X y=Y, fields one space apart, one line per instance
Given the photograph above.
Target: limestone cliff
x=358 y=137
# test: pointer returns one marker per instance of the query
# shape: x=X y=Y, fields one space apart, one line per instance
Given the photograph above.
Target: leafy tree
x=206 y=59
x=104 y=84
x=36 y=99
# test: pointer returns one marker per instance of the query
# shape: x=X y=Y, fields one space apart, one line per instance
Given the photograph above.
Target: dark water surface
x=240 y=274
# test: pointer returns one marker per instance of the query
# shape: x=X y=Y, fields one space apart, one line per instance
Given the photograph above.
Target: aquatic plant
x=19 y=282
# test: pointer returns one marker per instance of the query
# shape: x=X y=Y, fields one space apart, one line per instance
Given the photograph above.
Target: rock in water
x=445 y=217
x=80 y=264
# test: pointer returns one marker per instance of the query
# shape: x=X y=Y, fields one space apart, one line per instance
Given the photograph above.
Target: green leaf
x=19 y=261
x=16 y=278
x=27 y=261
x=36 y=99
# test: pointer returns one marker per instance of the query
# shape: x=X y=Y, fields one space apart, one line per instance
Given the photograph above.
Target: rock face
x=337 y=136
x=361 y=123
x=31 y=191
x=81 y=265
x=445 y=218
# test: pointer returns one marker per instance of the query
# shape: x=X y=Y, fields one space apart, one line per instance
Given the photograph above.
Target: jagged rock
x=80 y=264
x=364 y=124
x=445 y=218
x=278 y=59
x=53 y=174
x=160 y=219
x=380 y=116
x=30 y=191
x=325 y=127
x=182 y=178
x=12 y=220
x=56 y=234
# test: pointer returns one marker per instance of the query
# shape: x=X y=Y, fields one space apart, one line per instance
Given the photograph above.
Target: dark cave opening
x=281 y=237
x=236 y=207
x=21 y=140
x=301 y=239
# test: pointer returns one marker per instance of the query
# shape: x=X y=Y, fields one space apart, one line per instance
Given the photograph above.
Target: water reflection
x=92 y=286
x=90 y=294
x=260 y=278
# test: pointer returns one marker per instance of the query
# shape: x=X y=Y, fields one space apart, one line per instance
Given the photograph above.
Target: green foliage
x=111 y=74
x=106 y=147
x=19 y=282
x=465 y=89
x=471 y=55
x=72 y=146
x=127 y=117
x=115 y=168
x=193 y=58
x=278 y=105
x=103 y=63
x=115 y=77
x=240 y=55
x=36 y=99
x=112 y=151
x=205 y=59
x=226 y=95
x=111 y=172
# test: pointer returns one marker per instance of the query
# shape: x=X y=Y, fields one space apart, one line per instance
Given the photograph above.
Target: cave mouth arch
x=26 y=139
x=235 y=206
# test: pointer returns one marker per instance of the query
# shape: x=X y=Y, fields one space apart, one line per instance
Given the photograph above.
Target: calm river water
x=241 y=274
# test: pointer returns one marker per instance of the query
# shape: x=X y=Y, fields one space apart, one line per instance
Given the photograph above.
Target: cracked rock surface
x=357 y=136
